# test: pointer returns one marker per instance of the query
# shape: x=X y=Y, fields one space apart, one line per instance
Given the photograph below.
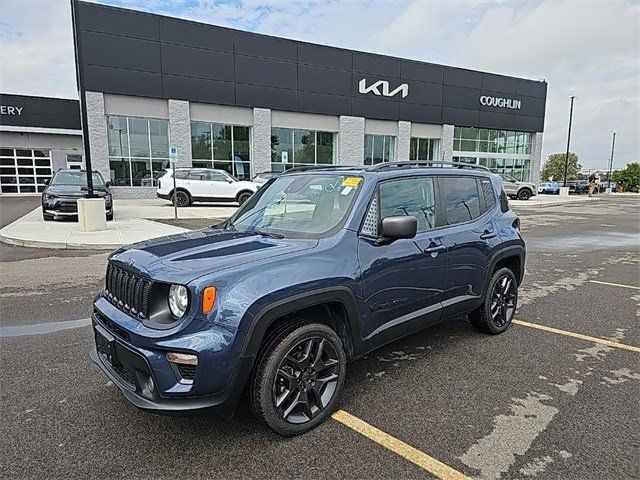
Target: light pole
x=613 y=146
x=566 y=158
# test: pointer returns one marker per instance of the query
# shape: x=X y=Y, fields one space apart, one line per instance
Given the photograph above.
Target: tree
x=554 y=167
x=629 y=178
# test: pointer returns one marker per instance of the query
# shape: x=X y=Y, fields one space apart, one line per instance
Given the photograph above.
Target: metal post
x=566 y=158
x=82 y=96
x=613 y=146
x=175 y=200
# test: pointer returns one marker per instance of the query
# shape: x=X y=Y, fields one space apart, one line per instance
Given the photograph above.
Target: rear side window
x=461 y=199
x=409 y=196
x=199 y=175
x=182 y=174
x=489 y=195
x=504 y=202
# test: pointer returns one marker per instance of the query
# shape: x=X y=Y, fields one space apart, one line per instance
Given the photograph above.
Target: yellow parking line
x=601 y=341
x=615 y=284
x=406 y=451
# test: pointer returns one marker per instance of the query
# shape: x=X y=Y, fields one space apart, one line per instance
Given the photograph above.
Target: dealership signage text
x=500 y=102
x=374 y=88
x=9 y=110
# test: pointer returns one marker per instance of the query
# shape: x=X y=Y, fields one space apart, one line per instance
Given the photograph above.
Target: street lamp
x=613 y=146
x=566 y=158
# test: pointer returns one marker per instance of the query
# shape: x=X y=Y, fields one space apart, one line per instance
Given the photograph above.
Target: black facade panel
x=197 y=62
x=376 y=64
x=424 y=93
x=528 y=124
x=425 y=72
x=531 y=88
x=420 y=113
x=374 y=108
x=498 y=83
x=459 y=97
x=462 y=78
x=264 y=72
x=324 y=104
x=266 y=47
x=324 y=56
x=266 y=97
x=120 y=52
x=324 y=80
x=116 y=21
x=182 y=32
x=503 y=121
x=123 y=82
x=460 y=116
x=39 y=112
x=154 y=56
x=199 y=90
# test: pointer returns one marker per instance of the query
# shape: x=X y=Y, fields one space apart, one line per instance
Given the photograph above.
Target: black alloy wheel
x=503 y=301
x=524 y=194
x=182 y=199
x=243 y=197
x=495 y=314
x=306 y=380
x=298 y=378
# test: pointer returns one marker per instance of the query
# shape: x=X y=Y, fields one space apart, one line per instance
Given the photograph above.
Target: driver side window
x=410 y=196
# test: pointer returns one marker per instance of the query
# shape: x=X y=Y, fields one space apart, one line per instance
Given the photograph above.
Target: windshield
x=77 y=178
x=304 y=206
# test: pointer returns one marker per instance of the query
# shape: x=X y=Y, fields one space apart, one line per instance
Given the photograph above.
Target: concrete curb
x=557 y=204
x=20 y=242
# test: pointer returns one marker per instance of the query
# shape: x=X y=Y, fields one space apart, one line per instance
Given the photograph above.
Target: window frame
x=212 y=161
x=291 y=163
x=481 y=204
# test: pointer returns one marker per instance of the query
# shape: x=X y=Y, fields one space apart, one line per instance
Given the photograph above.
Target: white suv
x=204 y=185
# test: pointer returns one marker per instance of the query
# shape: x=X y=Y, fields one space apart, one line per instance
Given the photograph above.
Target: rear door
x=222 y=186
x=471 y=237
x=509 y=184
x=402 y=281
x=198 y=183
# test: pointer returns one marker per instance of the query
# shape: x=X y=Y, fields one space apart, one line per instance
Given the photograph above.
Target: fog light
x=150 y=385
x=184 y=358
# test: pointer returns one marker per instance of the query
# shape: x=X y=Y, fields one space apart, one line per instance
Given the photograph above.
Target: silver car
x=517 y=189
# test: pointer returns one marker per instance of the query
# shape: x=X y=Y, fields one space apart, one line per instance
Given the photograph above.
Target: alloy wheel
x=306 y=380
x=182 y=199
x=503 y=301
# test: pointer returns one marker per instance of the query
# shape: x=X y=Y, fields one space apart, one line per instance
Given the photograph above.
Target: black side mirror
x=401 y=226
x=107 y=184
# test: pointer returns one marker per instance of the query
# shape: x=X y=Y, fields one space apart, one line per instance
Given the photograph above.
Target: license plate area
x=105 y=344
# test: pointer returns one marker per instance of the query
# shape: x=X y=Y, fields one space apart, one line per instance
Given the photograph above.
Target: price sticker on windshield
x=351 y=181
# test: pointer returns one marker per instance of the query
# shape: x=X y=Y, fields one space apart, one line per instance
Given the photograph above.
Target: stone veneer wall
x=261 y=141
x=97 y=123
x=446 y=144
x=536 y=157
x=403 y=141
x=351 y=140
x=180 y=130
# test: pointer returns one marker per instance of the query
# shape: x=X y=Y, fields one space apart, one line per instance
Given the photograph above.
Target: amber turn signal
x=208 y=299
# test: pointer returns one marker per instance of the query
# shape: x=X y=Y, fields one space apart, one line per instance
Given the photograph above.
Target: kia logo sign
x=9 y=110
x=500 y=102
x=374 y=88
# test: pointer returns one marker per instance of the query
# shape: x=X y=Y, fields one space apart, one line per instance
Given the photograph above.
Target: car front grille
x=188 y=372
x=127 y=291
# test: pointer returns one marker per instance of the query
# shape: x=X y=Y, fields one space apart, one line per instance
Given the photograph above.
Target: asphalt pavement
x=531 y=403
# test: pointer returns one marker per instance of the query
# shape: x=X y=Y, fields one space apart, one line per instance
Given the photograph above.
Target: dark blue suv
x=317 y=268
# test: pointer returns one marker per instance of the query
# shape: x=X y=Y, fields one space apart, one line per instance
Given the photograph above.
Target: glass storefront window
x=138 y=150
x=379 y=148
x=223 y=147
x=424 y=148
x=292 y=147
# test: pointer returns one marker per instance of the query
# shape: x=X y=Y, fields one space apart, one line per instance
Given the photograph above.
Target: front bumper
x=66 y=207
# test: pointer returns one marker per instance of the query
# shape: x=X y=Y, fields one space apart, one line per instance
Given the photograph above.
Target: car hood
x=185 y=257
x=72 y=191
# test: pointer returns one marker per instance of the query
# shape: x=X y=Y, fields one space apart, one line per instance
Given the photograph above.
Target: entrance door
x=24 y=170
x=402 y=282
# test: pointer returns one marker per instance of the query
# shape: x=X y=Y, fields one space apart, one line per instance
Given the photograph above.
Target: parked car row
x=575 y=187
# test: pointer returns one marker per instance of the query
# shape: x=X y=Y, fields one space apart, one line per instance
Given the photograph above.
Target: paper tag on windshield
x=346 y=190
x=351 y=181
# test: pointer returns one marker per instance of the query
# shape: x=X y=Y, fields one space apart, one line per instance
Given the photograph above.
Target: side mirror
x=108 y=184
x=401 y=226
x=47 y=181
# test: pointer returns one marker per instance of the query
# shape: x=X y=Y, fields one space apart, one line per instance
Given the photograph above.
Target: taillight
x=516 y=224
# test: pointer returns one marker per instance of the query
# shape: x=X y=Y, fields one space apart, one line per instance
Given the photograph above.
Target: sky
x=586 y=48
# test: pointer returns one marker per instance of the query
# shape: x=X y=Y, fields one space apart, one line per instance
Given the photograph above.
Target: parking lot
x=554 y=397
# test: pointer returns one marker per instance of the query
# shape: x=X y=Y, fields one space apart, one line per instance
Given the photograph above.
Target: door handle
x=436 y=249
x=487 y=234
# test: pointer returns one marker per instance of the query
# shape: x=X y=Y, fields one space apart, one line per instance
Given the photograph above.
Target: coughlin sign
x=500 y=102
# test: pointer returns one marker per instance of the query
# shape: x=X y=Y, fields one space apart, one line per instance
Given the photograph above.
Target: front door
x=222 y=186
x=471 y=238
x=402 y=282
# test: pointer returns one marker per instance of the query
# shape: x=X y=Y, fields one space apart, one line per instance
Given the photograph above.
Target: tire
x=286 y=374
x=109 y=216
x=47 y=217
x=243 y=197
x=182 y=198
x=524 y=194
x=497 y=320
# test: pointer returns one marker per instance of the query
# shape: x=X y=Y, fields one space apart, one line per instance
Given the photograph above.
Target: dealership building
x=249 y=103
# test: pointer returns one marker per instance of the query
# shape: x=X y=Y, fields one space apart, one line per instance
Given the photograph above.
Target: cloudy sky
x=588 y=48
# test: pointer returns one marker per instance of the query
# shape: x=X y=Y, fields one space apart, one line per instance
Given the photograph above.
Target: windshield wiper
x=264 y=233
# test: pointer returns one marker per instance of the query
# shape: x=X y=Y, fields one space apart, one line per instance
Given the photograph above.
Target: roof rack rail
x=423 y=163
x=323 y=167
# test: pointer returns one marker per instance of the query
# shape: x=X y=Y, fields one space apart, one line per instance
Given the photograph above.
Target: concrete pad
x=542 y=200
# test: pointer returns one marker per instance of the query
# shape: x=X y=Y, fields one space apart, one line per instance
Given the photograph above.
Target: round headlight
x=178 y=300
